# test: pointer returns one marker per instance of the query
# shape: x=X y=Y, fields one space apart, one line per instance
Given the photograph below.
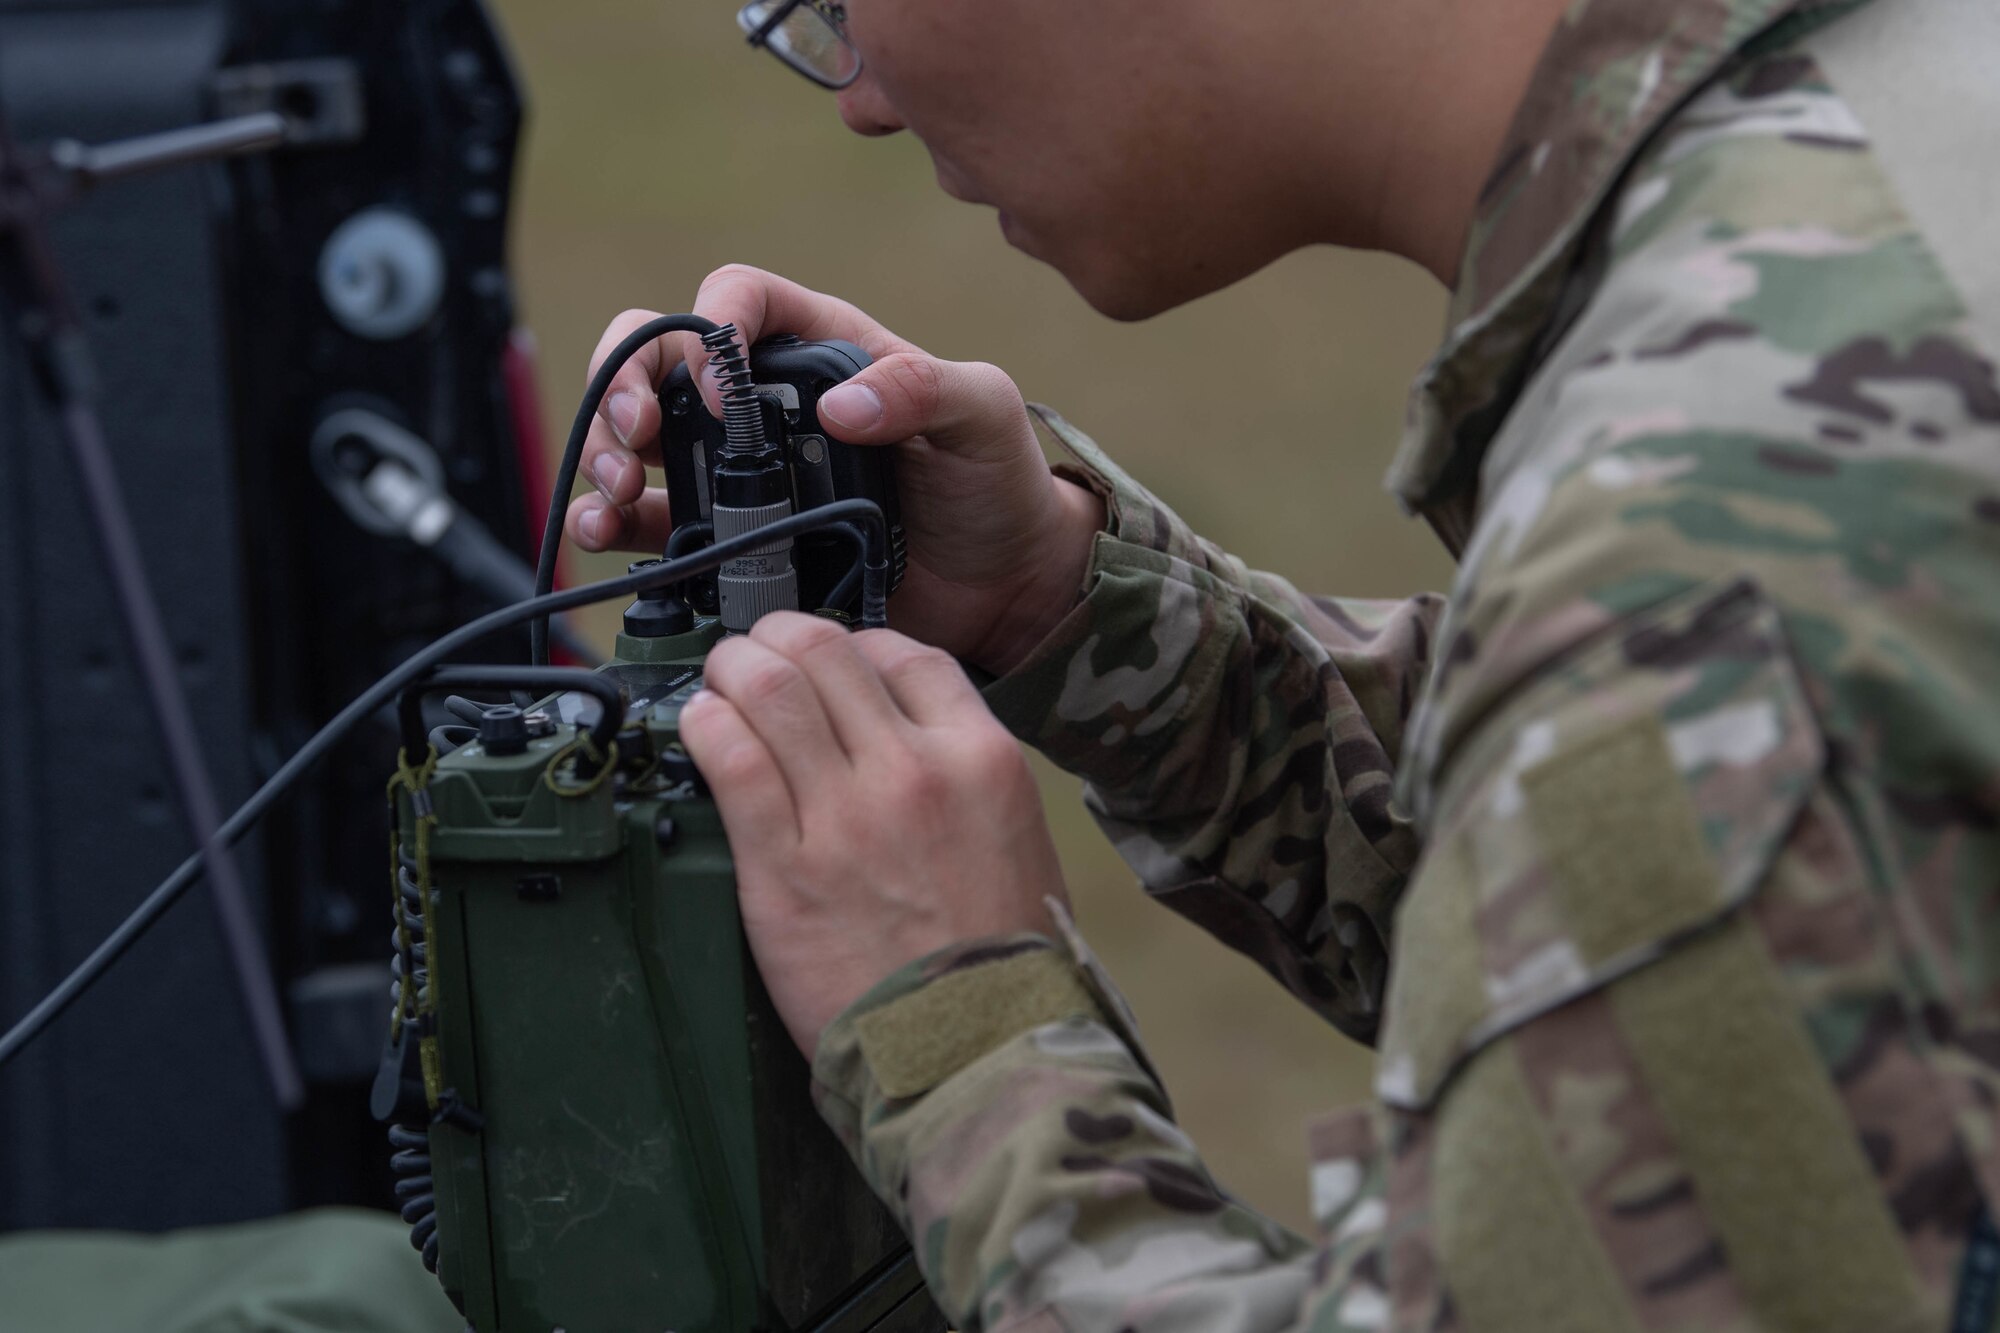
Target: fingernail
x=587 y=525
x=711 y=378
x=605 y=473
x=851 y=406
x=624 y=413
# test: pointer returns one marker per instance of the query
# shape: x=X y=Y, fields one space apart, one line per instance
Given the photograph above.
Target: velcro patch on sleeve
x=1614 y=819
x=917 y=1042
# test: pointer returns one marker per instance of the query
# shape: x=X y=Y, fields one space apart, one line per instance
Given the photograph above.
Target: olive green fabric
x=1777 y=1165
x=915 y=1043
x=327 y=1271
x=1505 y=1210
x=1619 y=832
x=1445 y=999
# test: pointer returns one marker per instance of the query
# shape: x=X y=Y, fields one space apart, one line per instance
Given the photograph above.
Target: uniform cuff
x=1148 y=576
x=932 y=1019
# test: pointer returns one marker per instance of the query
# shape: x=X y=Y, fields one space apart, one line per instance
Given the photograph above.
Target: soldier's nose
x=865 y=110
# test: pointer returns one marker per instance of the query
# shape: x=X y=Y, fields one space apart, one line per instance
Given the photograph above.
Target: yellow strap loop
x=581 y=745
x=409 y=1002
x=413 y=780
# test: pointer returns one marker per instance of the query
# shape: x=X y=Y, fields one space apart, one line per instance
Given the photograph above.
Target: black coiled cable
x=411 y=1159
x=411 y=1162
x=411 y=927
x=742 y=413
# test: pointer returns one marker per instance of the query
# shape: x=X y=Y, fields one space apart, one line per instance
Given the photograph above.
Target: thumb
x=906 y=394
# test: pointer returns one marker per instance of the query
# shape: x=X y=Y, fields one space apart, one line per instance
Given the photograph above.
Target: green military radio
x=599 y=1122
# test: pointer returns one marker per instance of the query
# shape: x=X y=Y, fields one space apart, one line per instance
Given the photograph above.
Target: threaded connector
x=754 y=585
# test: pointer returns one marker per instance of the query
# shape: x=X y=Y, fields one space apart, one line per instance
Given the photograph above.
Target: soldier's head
x=1156 y=150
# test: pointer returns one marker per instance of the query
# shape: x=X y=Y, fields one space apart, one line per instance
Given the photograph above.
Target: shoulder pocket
x=1630 y=799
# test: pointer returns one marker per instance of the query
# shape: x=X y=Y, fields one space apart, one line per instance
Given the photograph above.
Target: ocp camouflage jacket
x=1662 y=858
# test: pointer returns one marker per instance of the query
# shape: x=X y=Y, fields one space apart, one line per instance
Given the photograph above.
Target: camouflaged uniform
x=1674 y=833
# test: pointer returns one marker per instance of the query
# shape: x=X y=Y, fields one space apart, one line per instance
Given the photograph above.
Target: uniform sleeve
x=996 y=1097
x=1692 y=1020
x=1237 y=739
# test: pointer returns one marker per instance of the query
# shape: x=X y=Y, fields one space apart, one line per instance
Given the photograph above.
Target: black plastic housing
x=792 y=376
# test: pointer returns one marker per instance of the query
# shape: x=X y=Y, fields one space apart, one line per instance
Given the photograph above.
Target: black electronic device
x=791 y=377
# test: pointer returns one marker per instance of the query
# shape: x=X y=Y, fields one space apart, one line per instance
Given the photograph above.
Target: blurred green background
x=659 y=147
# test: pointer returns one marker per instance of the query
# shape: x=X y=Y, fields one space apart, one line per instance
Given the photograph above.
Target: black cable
x=450 y=736
x=844 y=590
x=874 y=592
x=471 y=552
x=684 y=536
x=468 y=711
x=688 y=537
x=579 y=431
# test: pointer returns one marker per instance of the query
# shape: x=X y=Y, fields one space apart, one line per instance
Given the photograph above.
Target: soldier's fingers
x=640 y=526
x=912 y=393
x=618 y=473
x=631 y=409
x=760 y=304
x=749 y=785
x=785 y=711
x=927 y=683
x=857 y=701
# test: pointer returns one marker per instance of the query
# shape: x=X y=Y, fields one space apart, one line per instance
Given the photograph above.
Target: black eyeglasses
x=808 y=35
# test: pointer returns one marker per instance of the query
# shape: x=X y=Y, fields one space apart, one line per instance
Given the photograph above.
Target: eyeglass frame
x=831 y=14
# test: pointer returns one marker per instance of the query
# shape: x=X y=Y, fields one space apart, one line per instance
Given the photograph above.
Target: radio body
x=602 y=1124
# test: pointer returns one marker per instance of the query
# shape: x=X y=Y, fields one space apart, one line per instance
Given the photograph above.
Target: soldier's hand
x=998 y=544
x=876 y=810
